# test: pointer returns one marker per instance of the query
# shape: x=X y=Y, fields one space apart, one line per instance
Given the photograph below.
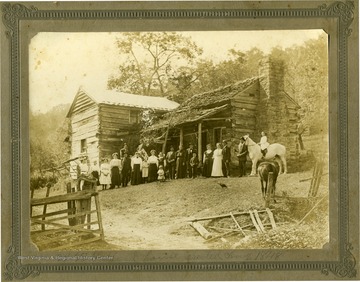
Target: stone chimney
x=276 y=112
x=271 y=73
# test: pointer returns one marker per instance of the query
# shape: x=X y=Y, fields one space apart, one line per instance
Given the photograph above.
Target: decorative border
x=12 y=14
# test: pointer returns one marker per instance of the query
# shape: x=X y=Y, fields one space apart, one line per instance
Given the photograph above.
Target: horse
x=274 y=150
x=264 y=169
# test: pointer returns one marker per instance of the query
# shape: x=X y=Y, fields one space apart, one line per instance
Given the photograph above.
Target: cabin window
x=134 y=117
x=83 y=145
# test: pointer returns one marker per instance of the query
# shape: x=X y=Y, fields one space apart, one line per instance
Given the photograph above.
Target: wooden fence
x=78 y=227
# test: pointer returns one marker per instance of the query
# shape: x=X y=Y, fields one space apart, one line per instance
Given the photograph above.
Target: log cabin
x=246 y=107
x=101 y=120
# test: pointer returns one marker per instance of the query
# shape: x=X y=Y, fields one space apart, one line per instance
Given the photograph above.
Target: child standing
x=194 y=163
x=105 y=177
x=161 y=174
x=145 y=170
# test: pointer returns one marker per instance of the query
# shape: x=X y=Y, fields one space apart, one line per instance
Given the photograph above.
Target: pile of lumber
x=234 y=223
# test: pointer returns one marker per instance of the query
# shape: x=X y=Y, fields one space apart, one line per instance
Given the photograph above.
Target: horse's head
x=248 y=140
x=245 y=138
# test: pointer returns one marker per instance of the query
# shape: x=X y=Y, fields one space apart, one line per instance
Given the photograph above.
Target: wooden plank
x=120 y=115
x=221 y=216
x=254 y=222
x=92 y=111
x=82 y=108
x=222 y=235
x=108 y=125
x=63 y=198
x=257 y=217
x=318 y=179
x=89 y=122
x=75 y=227
x=49 y=231
x=313 y=180
x=76 y=244
x=99 y=218
x=201 y=230
x=71 y=216
x=271 y=217
x=45 y=206
x=310 y=211
x=83 y=134
x=237 y=224
x=81 y=129
x=244 y=105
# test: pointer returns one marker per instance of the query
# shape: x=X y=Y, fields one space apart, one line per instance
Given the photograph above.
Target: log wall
x=244 y=111
x=115 y=129
x=84 y=126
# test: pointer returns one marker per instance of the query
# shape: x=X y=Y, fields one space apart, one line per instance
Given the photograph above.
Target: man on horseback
x=263 y=143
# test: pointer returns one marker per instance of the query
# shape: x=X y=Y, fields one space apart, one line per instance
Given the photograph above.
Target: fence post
x=316 y=178
x=45 y=206
x=71 y=205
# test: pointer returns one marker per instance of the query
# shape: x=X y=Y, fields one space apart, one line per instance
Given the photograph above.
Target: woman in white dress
x=105 y=176
x=217 y=163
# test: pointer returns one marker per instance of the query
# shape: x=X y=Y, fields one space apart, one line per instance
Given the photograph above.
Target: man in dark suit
x=242 y=152
x=188 y=156
x=226 y=157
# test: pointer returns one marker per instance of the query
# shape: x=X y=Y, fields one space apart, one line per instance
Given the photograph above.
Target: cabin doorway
x=204 y=141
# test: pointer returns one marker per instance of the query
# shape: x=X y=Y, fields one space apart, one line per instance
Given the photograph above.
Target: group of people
x=184 y=163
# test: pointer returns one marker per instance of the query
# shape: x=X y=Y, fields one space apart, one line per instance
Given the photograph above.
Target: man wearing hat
x=188 y=156
x=171 y=162
x=242 y=152
x=83 y=169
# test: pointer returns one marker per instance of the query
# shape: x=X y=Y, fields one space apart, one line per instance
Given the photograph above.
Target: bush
x=40 y=181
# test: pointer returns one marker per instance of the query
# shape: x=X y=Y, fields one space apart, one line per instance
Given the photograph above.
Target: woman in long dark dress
x=208 y=161
x=136 y=165
x=153 y=166
x=180 y=163
x=115 y=166
x=126 y=170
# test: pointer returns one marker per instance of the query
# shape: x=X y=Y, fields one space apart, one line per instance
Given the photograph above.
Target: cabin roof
x=218 y=95
x=203 y=105
x=185 y=116
x=116 y=98
x=206 y=104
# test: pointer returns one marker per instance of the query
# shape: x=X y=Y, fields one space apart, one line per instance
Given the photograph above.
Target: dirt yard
x=155 y=216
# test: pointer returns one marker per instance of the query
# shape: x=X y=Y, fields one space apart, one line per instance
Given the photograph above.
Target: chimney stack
x=271 y=73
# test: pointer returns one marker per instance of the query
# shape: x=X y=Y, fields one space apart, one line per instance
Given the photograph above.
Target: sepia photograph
x=179 y=140
x=172 y=141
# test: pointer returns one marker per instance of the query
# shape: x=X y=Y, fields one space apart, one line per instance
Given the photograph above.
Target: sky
x=59 y=63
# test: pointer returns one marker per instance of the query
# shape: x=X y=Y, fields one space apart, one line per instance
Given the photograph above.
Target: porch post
x=181 y=136
x=199 y=141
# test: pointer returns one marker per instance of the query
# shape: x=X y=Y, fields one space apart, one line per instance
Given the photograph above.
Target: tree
x=207 y=75
x=150 y=60
x=47 y=134
x=306 y=80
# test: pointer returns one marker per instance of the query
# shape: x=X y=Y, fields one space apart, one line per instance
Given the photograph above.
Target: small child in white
x=161 y=174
